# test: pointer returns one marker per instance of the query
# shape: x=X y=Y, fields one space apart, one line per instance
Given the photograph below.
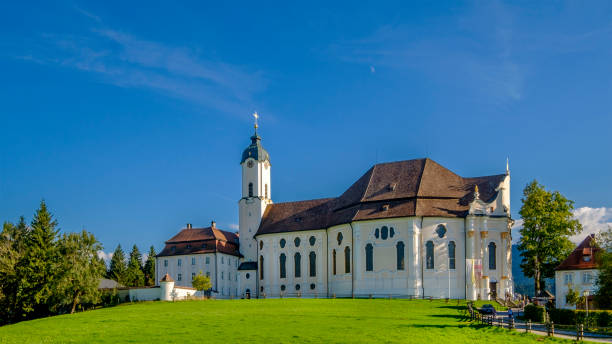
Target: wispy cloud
x=234 y=226
x=125 y=60
x=593 y=220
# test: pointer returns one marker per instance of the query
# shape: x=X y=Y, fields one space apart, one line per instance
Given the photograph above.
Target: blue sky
x=130 y=119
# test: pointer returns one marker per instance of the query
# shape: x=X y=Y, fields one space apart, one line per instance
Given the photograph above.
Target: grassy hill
x=269 y=321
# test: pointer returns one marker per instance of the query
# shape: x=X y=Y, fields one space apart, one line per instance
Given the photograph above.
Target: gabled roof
x=419 y=187
x=201 y=240
x=584 y=256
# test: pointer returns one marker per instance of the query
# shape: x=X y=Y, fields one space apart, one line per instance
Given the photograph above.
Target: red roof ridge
x=575 y=260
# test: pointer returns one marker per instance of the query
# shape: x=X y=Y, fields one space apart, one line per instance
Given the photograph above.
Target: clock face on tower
x=250 y=164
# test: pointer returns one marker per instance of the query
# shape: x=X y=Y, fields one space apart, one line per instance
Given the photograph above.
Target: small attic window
x=391 y=186
x=385 y=207
x=188 y=245
x=173 y=248
x=298 y=219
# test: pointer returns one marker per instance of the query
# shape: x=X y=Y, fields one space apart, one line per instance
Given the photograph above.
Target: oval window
x=283 y=287
x=377 y=233
x=297 y=287
x=391 y=232
x=297 y=242
x=312 y=286
x=261 y=245
x=312 y=240
x=248 y=275
x=441 y=230
x=282 y=243
x=384 y=232
x=339 y=238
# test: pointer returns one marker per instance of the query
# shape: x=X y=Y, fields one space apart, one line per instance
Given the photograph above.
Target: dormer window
x=298 y=219
x=391 y=187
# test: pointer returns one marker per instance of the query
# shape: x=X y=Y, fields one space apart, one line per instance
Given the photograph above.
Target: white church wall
x=341 y=283
x=385 y=279
x=303 y=285
x=441 y=281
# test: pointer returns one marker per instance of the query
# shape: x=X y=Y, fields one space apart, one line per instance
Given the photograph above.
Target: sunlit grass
x=266 y=321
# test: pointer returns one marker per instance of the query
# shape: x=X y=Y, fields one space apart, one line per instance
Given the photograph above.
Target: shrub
x=534 y=313
x=572 y=317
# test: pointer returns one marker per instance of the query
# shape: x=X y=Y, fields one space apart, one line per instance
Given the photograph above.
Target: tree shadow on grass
x=459 y=308
x=431 y=326
x=452 y=316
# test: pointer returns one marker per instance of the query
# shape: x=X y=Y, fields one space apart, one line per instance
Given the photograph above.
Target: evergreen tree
x=12 y=245
x=37 y=269
x=134 y=274
x=81 y=271
x=548 y=224
x=149 y=268
x=117 y=268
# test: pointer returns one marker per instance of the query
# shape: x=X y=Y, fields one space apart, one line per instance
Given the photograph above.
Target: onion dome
x=255 y=150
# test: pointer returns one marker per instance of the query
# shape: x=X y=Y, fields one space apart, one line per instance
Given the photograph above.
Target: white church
x=404 y=229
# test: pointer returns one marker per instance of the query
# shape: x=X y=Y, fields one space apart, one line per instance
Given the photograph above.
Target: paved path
x=540 y=329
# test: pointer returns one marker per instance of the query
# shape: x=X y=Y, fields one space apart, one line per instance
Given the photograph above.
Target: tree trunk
x=536 y=277
x=75 y=301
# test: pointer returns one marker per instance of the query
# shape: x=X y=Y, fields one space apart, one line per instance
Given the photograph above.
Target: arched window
x=492 y=255
x=283 y=268
x=400 y=255
x=298 y=264
x=451 y=255
x=312 y=240
x=339 y=238
x=369 y=249
x=297 y=242
x=261 y=245
x=429 y=254
x=312 y=258
x=347 y=259
x=266 y=190
x=282 y=243
x=250 y=189
x=261 y=267
x=334 y=261
x=384 y=232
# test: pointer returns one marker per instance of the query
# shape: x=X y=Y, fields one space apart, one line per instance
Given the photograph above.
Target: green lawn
x=266 y=321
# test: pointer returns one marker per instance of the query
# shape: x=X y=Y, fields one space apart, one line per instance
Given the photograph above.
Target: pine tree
x=134 y=274
x=37 y=268
x=117 y=268
x=12 y=247
x=149 y=268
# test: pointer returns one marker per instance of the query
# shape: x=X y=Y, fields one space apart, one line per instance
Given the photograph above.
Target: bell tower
x=256 y=193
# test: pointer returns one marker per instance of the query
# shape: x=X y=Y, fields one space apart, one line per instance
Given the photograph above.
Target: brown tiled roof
x=166 y=278
x=201 y=240
x=418 y=187
x=576 y=259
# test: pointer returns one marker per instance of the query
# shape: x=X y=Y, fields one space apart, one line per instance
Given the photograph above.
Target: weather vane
x=256 y=117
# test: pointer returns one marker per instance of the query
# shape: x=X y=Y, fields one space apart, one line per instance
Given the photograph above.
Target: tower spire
x=508 y=165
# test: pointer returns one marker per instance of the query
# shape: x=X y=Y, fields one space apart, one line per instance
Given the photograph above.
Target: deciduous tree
x=81 y=271
x=603 y=295
x=201 y=282
x=548 y=224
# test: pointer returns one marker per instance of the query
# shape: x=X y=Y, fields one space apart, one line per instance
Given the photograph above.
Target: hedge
x=534 y=313
x=572 y=317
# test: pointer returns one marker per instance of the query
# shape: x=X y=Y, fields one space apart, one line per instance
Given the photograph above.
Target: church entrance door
x=493 y=290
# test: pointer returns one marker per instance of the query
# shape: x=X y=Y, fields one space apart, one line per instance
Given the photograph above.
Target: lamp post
x=586 y=301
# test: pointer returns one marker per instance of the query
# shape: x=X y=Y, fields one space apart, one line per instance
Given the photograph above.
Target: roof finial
x=256 y=115
x=476 y=193
x=507 y=165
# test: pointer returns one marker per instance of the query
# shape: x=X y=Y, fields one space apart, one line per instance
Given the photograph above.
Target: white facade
x=579 y=280
x=220 y=267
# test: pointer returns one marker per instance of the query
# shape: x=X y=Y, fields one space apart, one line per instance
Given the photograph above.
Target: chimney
x=189 y=226
x=213 y=224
